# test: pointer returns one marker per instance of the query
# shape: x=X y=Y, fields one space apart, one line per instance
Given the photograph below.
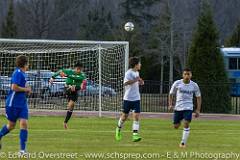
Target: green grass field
x=94 y=135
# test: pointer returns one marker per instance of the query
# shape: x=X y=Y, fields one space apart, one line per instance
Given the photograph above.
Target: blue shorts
x=14 y=113
x=131 y=105
x=180 y=115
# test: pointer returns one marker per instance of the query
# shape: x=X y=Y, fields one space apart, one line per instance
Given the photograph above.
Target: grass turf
x=88 y=135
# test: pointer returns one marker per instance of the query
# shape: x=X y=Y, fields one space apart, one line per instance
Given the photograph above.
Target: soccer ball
x=129 y=26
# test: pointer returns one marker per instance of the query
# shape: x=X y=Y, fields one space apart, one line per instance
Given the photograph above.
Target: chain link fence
x=154 y=96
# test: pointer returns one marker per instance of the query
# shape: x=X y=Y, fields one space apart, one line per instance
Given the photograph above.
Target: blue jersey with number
x=17 y=99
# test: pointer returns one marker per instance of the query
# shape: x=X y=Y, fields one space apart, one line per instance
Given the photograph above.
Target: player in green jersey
x=75 y=81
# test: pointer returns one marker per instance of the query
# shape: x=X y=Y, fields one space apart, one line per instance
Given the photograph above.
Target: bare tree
x=39 y=18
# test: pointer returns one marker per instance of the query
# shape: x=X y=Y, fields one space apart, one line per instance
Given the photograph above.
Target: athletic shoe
x=118 y=135
x=136 y=138
x=182 y=145
x=23 y=154
x=65 y=125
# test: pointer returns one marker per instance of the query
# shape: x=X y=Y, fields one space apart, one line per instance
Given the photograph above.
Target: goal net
x=104 y=65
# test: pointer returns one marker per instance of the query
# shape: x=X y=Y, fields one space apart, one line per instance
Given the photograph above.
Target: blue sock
x=23 y=138
x=4 y=131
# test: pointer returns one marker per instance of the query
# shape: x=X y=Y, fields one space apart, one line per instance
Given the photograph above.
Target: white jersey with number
x=184 y=94
x=131 y=91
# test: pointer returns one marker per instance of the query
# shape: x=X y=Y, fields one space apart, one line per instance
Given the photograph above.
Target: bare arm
x=62 y=73
x=172 y=93
x=170 y=102
x=17 y=88
x=199 y=104
x=131 y=81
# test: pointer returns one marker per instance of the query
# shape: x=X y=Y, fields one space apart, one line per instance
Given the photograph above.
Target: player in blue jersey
x=16 y=103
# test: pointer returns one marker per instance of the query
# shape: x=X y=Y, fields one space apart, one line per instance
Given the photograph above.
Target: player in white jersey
x=131 y=100
x=184 y=90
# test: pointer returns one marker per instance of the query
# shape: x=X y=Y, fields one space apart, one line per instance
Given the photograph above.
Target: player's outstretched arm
x=51 y=80
x=17 y=88
x=62 y=73
x=77 y=77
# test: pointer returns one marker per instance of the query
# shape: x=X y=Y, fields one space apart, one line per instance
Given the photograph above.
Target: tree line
x=163 y=48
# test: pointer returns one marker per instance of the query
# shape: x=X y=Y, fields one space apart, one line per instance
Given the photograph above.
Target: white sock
x=135 y=126
x=186 y=132
x=120 y=123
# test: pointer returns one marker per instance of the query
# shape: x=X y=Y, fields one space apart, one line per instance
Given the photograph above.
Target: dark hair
x=133 y=61
x=21 y=61
x=78 y=65
x=187 y=70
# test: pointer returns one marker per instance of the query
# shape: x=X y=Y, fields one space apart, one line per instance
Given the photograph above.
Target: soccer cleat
x=23 y=154
x=182 y=145
x=136 y=138
x=65 y=125
x=118 y=134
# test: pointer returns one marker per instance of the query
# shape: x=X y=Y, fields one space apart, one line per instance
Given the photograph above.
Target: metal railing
x=154 y=97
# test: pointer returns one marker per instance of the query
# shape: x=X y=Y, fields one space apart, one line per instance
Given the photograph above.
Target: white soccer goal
x=104 y=65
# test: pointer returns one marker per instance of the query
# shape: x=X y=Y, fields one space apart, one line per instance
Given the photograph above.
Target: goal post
x=105 y=63
x=100 y=80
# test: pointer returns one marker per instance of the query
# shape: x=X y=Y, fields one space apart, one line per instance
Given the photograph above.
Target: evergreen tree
x=159 y=46
x=207 y=64
x=234 y=39
x=99 y=26
x=9 y=29
x=138 y=12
